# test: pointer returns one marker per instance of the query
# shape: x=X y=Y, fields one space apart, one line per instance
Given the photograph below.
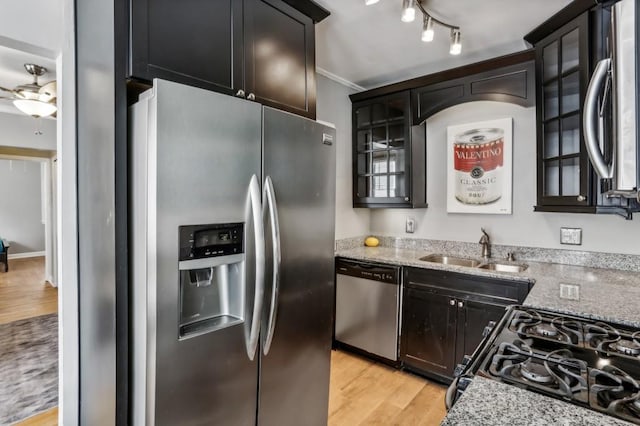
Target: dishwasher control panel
x=370 y=271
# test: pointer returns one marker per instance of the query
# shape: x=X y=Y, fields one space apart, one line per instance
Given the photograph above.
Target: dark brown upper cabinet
x=563 y=69
x=262 y=50
x=389 y=154
x=567 y=46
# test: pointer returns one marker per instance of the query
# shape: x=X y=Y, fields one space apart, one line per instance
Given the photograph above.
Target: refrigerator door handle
x=589 y=122
x=270 y=200
x=256 y=216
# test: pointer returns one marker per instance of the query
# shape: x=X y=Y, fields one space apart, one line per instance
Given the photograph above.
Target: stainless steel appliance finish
x=299 y=164
x=197 y=159
x=618 y=75
x=367 y=307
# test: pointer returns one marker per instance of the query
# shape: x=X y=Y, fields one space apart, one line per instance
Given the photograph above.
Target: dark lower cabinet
x=444 y=315
x=261 y=50
x=473 y=317
x=428 y=331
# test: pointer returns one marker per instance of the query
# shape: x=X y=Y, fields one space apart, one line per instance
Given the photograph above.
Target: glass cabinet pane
x=363 y=116
x=571 y=176
x=380 y=162
x=550 y=61
x=378 y=113
x=551 y=139
x=397 y=185
x=396 y=135
x=570 y=50
x=571 y=93
x=571 y=135
x=396 y=160
x=551 y=178
x=396 y=109
x=379 y=137
x=380 y=186
x=551 y=106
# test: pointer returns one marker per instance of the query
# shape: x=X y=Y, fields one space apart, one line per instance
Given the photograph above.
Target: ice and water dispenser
x=211 y=267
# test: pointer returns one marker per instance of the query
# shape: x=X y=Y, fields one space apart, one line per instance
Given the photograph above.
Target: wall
x=334 y=106
x=18 y=130
x=21 y=212
x=603 y=233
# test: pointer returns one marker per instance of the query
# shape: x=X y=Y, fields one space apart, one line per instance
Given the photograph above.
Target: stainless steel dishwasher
x=367 y=307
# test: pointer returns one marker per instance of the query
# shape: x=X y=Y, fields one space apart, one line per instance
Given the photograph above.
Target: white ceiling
x=370 y=46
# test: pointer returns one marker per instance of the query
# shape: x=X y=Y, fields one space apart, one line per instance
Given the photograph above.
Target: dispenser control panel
x=220 y=239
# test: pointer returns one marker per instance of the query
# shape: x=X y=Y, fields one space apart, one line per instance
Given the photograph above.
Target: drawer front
x=467 y=286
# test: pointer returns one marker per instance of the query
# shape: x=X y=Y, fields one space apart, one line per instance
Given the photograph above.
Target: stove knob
x=488 y=328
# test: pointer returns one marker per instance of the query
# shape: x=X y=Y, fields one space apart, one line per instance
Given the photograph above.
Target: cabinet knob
x=251 y=97
x=406 y=198
x=460 y=304
x=452 y=302
x=581 y=198
x=240 y=93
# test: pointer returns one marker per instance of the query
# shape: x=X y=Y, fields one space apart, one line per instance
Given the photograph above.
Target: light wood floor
x=363 y=392
x=23 y=291
x=46 y=418
x=24 y=294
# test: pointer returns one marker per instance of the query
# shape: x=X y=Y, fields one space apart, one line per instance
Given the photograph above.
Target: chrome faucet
x=486 y=245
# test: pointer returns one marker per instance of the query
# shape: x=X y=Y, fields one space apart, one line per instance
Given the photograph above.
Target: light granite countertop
x=603 y=294
x=488 y=402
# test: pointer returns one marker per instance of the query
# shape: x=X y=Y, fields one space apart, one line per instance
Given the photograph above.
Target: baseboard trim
x=25 y=255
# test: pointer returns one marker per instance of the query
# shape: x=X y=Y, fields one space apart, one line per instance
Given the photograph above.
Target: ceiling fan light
x=456 y=44
x=370 y=2
x=35 y=108
x=408 y=10
x=427 y=29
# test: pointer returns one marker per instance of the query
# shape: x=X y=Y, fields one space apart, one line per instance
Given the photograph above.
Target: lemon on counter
x=371 y=242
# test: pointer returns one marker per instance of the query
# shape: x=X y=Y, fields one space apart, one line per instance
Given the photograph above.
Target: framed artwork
x=480 y=167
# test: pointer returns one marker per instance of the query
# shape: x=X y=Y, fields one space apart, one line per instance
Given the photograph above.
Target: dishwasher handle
x=369 y=271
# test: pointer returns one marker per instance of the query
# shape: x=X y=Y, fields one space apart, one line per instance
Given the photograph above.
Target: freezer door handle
x=255 y=211
x=270 y=201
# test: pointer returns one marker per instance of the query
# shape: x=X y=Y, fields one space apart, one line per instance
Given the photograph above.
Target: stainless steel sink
x=451 y=260
x=503 y=267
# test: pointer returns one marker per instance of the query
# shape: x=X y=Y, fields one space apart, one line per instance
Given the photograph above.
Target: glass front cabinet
x=389 y=155
x=564 y=173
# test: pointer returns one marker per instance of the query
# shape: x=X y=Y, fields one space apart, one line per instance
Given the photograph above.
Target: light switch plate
x=572 y=236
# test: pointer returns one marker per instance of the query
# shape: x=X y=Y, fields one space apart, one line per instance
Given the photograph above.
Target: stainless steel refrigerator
x=232 y=220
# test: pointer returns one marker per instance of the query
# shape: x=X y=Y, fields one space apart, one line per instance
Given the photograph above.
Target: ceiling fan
x=31 y=98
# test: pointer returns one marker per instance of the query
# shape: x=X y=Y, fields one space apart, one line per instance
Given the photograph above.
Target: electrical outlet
x=572 y=236
x=570 y=291
x=410 y=226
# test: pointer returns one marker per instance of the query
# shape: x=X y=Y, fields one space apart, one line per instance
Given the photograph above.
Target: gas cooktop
x=593 y=364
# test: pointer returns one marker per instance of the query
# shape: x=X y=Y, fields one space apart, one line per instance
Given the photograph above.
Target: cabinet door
x=473 y=317
x=280 y=56
x=428 y=331
x=382 y=152
x=195 y=42
x=564 y=173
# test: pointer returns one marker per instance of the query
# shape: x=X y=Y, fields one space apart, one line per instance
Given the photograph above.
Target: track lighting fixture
x=427 y=29
x=428 y=23
x=456 y=46
x=408 y=10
